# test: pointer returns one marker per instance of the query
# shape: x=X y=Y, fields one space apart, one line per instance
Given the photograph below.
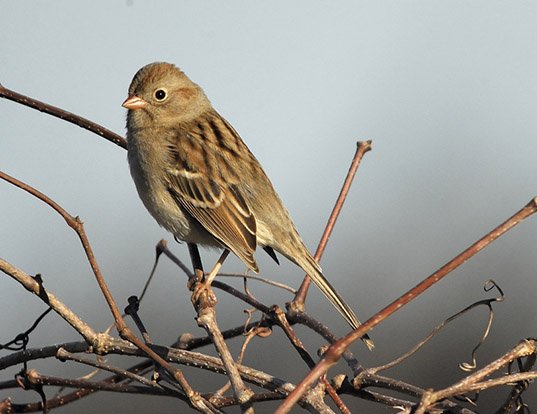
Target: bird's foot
x=203 y=295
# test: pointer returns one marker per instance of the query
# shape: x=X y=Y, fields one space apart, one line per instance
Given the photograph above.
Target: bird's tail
x=312 y=268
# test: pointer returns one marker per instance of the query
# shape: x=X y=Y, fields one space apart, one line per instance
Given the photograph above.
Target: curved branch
x=64 y=115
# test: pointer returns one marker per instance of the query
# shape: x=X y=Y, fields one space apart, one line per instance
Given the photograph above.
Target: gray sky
x=446 y=91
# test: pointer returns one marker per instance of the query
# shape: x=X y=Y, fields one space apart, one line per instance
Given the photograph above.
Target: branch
x=64 y=115
x=336 y=350
x=298 y=302
x=31 y=285
x=361 y=148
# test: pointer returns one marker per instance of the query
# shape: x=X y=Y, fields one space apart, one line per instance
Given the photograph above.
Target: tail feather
x=312 y=268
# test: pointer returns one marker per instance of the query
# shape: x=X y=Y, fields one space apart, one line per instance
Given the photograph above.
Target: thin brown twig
x=304 y=319
x=29 y=354
x=59 y=307
x=64 y=355
x=361 y=384
x=76 y=224
x=64 y=115
x=198 y=363
x=176 y=355
x=335 y=351
x=439 y=327
x=40 y=379
x=361 y=148
x=64 y=399
x=300 y=298
x=162 y=248
x=190 y=358
x=250 y=375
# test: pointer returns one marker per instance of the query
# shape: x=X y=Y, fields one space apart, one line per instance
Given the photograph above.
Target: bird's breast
x=148 y=167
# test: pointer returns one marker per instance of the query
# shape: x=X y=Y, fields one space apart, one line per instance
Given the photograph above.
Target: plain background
x=446 y=90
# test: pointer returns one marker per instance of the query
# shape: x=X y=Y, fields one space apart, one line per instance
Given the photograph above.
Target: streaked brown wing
x=219 y=208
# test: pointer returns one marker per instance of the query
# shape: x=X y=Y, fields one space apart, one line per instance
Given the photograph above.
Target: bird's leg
x=196 y=264
x=205 y=284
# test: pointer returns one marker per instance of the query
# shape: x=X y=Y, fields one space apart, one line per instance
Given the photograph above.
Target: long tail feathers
x=314 y=272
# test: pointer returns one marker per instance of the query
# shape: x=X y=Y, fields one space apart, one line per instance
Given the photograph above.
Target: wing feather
x=218 y=205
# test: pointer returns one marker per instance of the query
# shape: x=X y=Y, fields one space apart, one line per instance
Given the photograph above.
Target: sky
x=446 y=91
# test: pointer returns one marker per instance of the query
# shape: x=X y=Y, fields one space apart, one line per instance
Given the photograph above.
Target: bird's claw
x=203 y=295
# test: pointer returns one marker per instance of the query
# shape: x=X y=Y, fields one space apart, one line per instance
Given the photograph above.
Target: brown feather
x=217 y=204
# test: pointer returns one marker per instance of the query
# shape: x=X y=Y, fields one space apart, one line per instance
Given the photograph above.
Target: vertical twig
x=361 y=148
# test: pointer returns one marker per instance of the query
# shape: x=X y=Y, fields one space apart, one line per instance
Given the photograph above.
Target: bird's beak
x=134 y=102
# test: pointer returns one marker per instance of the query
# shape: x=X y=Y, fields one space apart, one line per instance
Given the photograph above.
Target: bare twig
x=361 y=148
x=64 y=115
x=76 y=224
x=64 y=355
x=29 y=354
x=438 y=328
x=39 y=379
x=335 y=351
x=514 y=399
x=59 y=307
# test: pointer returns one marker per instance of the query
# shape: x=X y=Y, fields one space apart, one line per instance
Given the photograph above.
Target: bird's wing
x=217 y=205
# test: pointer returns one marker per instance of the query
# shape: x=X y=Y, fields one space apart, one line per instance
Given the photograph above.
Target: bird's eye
x=160 y=94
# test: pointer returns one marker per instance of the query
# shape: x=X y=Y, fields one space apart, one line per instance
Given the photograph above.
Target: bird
x=199 y=180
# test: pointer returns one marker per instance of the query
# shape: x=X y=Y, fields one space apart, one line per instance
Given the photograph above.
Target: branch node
x=295 y=308
x=100 y=344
